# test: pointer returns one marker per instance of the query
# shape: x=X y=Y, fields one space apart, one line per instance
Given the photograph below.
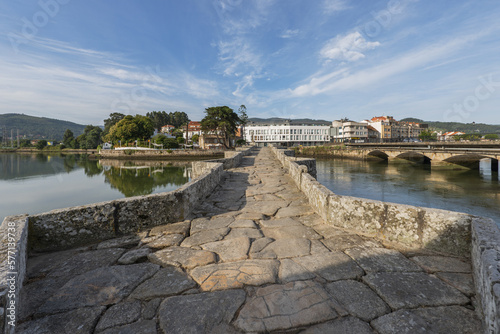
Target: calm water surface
x=475 y=192
x=40 y=182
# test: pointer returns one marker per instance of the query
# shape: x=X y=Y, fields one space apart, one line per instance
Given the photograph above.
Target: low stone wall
x=425 y=228
x=486 y=269
x=13 y=256
x=159 y=154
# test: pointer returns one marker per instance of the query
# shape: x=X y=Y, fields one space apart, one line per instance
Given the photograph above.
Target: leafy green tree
x=131 y=128
x=491 y=136
x=166 y=142
x=41 y=144
x=428 y=136
x=243 y=120
x=221 y=121
x=112 y=120
x=68 y=138
x=92 y=136
x=25 y=143
x=180 y=140
x=195 y=138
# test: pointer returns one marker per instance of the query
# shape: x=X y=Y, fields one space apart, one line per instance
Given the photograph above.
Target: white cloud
x=333 y=6
x=347 y=48
x=290 y=33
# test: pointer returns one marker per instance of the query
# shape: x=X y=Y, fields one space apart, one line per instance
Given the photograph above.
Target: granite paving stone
x=279 y=307
x=205 y=236
x=328 y=231
x=42 y=264
x=282 y=222
x=294 y=211
x=292 y=271
x=234 y=249
x=234 y=275
x=203 y=224
x=346 y=241
x=123 y=242
x=139 y=327
x=149 y=308
x=209 y=313
x=291 y=232
x=243 y=223
x=99 y=287
x=251 y=233
x=452 y=319
x=164 y=241
x=410 y=290
x=284 y=248
x=81 y=321
x=86 y=261
x=331 y=266
x=443 y=264
x=166 y=282
x=182 y=256
x=259 y=244
x=461 y=281
x=134 y=255
x=175 y=228
x=381 y=259
x=119 y=314
x=341 y=326
x=358 y=299
x=318 y=248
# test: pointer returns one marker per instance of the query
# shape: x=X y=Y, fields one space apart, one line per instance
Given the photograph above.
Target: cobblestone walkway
x=254 y=258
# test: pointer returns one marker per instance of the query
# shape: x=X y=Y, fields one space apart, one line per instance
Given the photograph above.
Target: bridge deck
x=255 y=258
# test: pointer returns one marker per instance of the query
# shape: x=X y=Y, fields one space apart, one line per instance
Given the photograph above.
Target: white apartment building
x=287 y=134
x=349 y=131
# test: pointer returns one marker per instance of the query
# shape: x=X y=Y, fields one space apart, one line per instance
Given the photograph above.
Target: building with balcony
x=346 y=131
x=287 y=133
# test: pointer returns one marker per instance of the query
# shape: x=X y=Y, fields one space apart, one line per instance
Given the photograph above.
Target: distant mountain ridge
x=455 y=126
x=33 y=127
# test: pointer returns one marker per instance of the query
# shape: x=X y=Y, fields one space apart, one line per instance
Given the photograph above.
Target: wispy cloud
x=343 y=80
x=333 y=6
x=347 y=48
x=289 y=33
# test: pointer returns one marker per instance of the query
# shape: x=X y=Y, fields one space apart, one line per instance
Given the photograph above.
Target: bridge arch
x=472 y=160
x=378 y=154
x=415 y=157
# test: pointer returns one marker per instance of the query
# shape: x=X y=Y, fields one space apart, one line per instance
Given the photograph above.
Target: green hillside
x=32 y=127
x=455 y=126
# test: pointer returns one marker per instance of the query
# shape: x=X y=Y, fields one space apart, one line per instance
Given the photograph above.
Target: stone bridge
x=436 y=155
x=265 y=249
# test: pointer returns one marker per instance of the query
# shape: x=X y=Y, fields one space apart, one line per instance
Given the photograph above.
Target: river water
x=472 y=191
x=35 y=183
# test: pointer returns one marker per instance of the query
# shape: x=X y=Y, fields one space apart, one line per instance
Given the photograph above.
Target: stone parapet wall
x=486 y=269
x=444 y=231
x=13 y=256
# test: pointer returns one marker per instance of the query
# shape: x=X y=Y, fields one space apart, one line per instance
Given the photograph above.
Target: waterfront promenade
x=253 y=258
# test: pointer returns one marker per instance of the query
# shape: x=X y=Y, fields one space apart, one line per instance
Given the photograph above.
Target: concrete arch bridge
x=437 y=157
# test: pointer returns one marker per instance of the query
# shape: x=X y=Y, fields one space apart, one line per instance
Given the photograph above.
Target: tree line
x=119 y=129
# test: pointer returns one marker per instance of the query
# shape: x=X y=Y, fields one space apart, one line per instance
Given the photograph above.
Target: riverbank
x=335 y=151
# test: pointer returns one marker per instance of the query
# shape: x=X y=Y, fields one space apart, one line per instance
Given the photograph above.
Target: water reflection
x=472 y=191
x=141 y=178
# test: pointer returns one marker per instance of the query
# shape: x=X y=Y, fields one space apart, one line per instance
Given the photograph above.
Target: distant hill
x=32 y=127
x=455 y=126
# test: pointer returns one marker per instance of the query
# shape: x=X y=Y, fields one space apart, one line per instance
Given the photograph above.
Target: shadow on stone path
x=254 y=258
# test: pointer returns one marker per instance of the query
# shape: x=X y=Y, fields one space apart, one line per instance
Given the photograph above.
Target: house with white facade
x=345 y=130
x=287 y=133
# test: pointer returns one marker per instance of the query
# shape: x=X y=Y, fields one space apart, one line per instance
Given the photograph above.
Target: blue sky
x=324 y=59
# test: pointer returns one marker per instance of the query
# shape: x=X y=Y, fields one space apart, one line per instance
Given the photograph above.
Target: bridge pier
x=494 y=165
